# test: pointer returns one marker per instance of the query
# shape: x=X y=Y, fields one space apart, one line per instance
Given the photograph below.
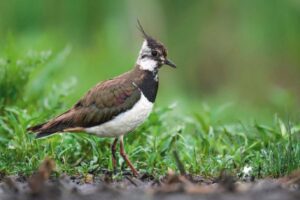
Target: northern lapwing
x=117 y=106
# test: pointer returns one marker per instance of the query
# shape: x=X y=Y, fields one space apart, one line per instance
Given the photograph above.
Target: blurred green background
x=241 y=56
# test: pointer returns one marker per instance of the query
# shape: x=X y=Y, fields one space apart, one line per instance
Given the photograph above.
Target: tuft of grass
x=207 y=148
x=204 y=145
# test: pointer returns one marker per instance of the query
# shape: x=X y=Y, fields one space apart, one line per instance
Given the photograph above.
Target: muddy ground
x=43 y=185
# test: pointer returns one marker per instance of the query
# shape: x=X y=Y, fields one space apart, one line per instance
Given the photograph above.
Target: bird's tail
x=57 y=124
x=35 y=128
x=40 y=130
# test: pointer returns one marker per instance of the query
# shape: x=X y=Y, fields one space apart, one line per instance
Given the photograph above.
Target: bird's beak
x=170 y=63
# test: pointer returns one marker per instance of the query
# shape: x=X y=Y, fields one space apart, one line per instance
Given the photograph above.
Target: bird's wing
x=102 y=103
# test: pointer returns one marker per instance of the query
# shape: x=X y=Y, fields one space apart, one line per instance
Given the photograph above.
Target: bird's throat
x=148 y=83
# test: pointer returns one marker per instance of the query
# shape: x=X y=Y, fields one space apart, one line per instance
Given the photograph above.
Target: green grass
x=205 y=145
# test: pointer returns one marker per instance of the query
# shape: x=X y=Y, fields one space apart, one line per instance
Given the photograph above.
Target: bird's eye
x=154 y=53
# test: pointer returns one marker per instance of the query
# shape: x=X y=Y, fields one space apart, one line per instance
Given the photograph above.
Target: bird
x=117 y=106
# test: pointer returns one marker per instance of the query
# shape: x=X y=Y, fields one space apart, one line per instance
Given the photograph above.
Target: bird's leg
x=113 y=152
x=125 y=157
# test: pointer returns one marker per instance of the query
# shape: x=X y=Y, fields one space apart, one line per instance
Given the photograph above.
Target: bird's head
x=153 y=53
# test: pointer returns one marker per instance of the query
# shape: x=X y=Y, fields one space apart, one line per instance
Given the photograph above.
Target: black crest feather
x=140 y=27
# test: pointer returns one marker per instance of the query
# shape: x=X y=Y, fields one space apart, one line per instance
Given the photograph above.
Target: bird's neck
x=147 y=81
x=145 y=73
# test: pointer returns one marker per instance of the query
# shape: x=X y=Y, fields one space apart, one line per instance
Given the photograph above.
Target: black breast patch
x=149 y=86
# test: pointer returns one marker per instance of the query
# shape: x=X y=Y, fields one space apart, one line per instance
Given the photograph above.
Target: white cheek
x=147 y=64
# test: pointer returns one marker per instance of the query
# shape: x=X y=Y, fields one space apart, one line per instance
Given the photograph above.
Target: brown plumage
x=101 y=103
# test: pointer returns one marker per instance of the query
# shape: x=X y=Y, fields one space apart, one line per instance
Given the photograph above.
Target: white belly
x=125 y=122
